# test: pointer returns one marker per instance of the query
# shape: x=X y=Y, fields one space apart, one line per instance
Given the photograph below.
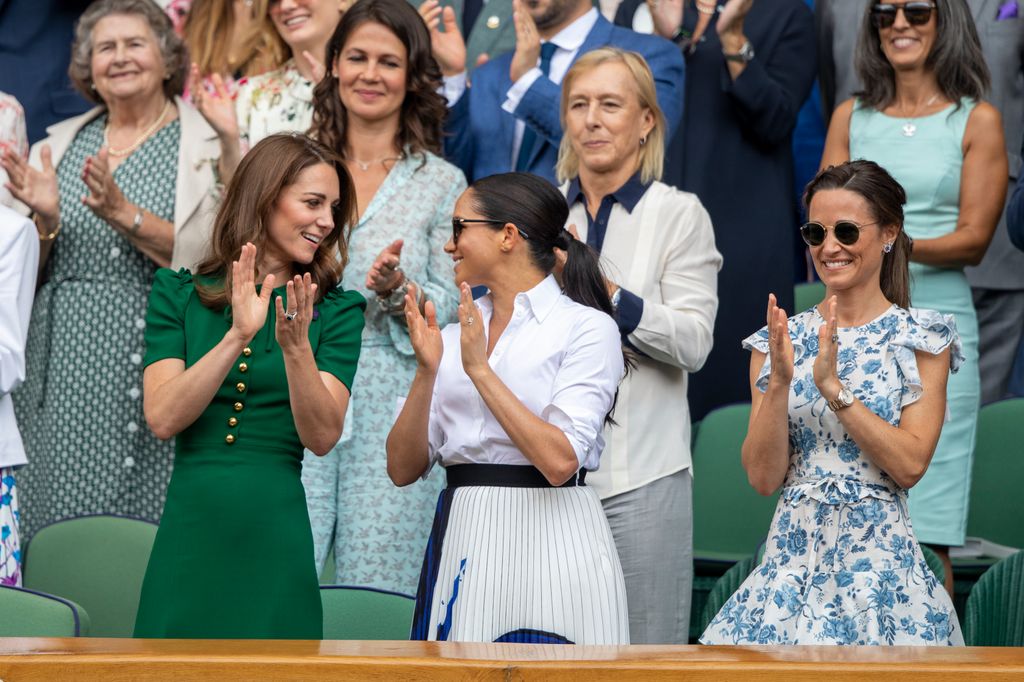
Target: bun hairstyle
x=886 y=198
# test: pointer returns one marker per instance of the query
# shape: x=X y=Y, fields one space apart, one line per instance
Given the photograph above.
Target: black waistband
x=505 y=475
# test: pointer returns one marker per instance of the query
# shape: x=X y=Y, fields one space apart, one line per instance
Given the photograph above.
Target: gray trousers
x=653 y=531
x=1000 y=330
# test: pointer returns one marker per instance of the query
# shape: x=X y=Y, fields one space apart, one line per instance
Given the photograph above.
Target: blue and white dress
x=841 y=564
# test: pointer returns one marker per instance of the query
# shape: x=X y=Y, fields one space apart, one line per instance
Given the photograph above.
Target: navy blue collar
x=628 y=196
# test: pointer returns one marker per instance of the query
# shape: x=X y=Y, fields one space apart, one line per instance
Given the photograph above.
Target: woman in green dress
x=244 y=383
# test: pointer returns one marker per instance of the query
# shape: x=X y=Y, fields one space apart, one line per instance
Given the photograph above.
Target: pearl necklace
x=142 y=138
x=908 y=127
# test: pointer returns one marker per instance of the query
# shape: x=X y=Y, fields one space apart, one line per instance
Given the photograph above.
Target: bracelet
x=46 y=237
x=136 y=222
x=393 y=302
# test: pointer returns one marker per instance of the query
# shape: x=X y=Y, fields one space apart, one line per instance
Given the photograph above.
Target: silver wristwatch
x=745 y=54
x=844 y=399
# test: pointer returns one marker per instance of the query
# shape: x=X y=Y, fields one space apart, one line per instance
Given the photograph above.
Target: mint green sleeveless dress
x=928 y=165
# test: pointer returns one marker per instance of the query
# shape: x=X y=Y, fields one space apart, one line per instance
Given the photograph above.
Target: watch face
x=846 y=396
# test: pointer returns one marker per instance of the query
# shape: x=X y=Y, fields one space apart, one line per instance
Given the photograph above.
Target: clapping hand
x=730 y=19
x=37 y=189
x=424 y=334
x=826 y=376
x=294 y=313
x=384 y=275
x=317 y=68
x=527 y=42
x=448 y=47
x=217 y=107
x=248 y=309
x=105 y=198
x=780 y=346
x=471 y=328
x=667 y=16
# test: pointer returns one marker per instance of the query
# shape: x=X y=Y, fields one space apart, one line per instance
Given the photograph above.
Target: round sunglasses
x=883 y=15
x=846 y=232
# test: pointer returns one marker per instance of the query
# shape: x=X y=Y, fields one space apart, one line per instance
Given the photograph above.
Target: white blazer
x=664 y=252
x=19 y=252
x=196 y=199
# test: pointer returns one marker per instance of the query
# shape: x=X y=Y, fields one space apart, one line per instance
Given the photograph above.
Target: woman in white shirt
x=658 y=252
x=512 y=401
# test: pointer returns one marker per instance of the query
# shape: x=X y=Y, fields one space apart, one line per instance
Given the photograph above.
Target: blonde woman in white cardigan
x=661 y=267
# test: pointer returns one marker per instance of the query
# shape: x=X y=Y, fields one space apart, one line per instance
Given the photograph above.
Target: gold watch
x=844 y=399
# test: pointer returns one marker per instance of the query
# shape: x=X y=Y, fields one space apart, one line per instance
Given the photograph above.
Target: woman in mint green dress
x=244 y=383
x=921 y=117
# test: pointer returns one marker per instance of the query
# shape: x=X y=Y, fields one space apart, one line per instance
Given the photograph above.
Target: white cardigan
x=19 y=251
x=664 y=252
x=196 y=198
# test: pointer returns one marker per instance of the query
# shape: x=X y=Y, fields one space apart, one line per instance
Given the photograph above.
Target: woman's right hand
x=248 y=309
x=424 y=333
x=780 y=347
x=37 y=189
x=217 y=107
x=447 y=47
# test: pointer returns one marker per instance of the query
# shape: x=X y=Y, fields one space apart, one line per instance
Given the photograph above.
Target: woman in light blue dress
x=378 y=106
x=921 y=117
x=847 y=405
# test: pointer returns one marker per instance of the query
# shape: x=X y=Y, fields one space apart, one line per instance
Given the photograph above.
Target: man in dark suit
x=35 y=50
x=997 y=284
x=509 y=119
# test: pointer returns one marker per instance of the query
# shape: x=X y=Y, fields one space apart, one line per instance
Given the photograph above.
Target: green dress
x=232 y=556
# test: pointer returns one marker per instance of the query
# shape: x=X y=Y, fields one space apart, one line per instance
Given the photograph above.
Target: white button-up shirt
x=563 y=360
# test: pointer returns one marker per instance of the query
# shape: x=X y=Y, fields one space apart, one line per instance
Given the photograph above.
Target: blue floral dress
x=841 y=564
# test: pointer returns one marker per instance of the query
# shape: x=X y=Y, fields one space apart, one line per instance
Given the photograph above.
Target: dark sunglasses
x=883 y=15
x=459 y=224
x=846 y=232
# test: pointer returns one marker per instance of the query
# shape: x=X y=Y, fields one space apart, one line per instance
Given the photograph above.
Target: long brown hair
x=272 y=165
x=207 y=34
x=423 y=109
x=886 y=198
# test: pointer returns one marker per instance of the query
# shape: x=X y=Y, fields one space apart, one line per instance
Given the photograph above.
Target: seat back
x=934 y=563
x=366 y=613
x=807 y=295
x=26 y=613
x=97 y=561
x=995 y=609
x=724 y=588
x=729 y=517
x=998 y=473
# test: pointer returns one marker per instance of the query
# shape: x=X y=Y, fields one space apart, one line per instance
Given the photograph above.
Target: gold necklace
x=118 y=153
x=908 y=127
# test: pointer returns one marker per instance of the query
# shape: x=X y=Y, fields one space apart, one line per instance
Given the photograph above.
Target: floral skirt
x=839 y=571
x=10 y=549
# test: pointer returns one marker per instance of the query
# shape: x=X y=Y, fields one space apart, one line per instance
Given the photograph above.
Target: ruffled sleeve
x=165 y=316
x=759 y=341
x=341 y=317
x=803 y=343
x=931 y=332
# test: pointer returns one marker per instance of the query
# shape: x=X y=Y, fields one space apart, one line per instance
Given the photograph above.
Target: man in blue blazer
x=509 y=118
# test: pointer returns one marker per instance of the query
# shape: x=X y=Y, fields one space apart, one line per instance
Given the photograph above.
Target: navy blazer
x=481 y=134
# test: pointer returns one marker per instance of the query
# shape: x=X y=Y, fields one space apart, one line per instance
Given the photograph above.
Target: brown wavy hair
x=272 y=165
x=423 y=109
x=886 y=198
x=207 y=35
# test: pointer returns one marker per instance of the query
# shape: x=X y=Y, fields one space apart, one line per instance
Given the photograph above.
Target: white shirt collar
x=540 y=300
x=572 y=36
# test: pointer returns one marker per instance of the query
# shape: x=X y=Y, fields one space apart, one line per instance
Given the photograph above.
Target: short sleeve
x=759 y=341
x=928 y=331
x=341 y=315
x=803 y=334
x=165 y=316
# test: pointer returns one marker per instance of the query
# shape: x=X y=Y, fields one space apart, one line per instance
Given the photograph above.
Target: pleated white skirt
x=521 y=565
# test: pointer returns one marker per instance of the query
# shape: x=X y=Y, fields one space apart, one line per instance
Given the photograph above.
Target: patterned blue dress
x=841 y=564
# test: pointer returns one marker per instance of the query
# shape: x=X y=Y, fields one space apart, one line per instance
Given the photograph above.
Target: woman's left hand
x=292 y=328
x=730 y=19
x=105 y=198
x=384 y=275
x=826 y=377
x=471 y=328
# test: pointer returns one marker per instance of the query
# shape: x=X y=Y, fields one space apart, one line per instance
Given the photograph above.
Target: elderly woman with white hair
x=658 y=252
x=114 y=193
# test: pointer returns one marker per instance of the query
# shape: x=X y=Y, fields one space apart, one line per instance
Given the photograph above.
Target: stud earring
x=887 y=248
x=643 y=140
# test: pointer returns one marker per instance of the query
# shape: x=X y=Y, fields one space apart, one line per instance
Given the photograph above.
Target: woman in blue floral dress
x=846 y=410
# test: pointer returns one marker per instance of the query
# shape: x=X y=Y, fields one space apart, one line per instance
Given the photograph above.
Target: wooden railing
x=121 y=660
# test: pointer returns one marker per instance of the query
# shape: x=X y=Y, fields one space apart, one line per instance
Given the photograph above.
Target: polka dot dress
x=80 y=408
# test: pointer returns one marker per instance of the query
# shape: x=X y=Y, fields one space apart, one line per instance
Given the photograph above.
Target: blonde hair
x=207 y=34
x=652 y=152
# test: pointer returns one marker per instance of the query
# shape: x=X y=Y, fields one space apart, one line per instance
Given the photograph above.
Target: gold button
x=233 y=421
x=238 y=407
x=247 y=351
x=242 y=367
x=229 y=439
x=493 y=21
x=240 y=387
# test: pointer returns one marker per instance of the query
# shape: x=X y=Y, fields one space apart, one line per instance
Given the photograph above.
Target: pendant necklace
x=365 y=165
x=908 y=127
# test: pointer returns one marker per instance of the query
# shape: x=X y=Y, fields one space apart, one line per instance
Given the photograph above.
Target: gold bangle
x=46 y=237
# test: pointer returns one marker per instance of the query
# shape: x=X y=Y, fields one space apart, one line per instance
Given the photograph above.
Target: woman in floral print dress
x=848 y=401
